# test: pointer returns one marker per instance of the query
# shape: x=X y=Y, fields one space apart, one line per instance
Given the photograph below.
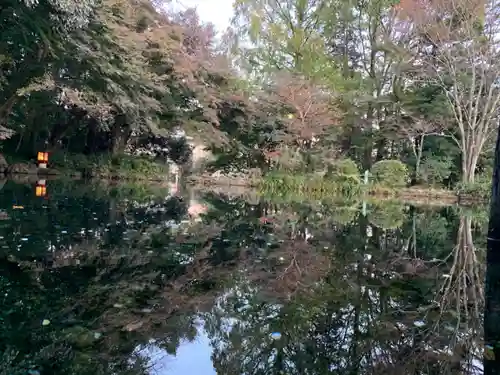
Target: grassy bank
x=315 y=187
x=104 y=166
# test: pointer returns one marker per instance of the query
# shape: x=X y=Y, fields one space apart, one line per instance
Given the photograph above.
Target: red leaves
x=196 y=209
x=428 y=11
x=269 y=155
x=265 y=220
x=198 y=37
x=312 y=108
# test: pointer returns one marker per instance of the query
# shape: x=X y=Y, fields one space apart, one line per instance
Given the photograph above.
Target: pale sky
x=192 y=358
x=219 y=12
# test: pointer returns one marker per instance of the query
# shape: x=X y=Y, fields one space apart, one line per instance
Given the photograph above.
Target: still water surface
x=125 y=280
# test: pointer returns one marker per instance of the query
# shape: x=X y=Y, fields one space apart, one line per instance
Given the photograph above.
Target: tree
x=128 y=71
x=463 y=59
x=32 y=33
x=285 y=35
x=311 y=108
x=415 y=131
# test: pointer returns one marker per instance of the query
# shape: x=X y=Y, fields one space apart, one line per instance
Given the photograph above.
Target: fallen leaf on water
x=133 y=326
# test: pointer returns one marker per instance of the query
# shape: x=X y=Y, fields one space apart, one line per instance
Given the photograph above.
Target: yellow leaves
x=297 y=41
x=255 y=26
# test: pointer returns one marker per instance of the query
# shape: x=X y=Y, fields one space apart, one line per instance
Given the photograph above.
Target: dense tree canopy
x=105 y=73
x=417 y=79
x=312 y=80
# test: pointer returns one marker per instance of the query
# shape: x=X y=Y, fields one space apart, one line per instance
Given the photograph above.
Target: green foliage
x=133 y=74
x=387 y=215
x=290 y=160
x=429 y=101
x=70 y=162
x=345 y=173
x=479 y=189
x=344 y=215
x=434 y=170
x=306 y=187
x=479 y=214
x=282 y=39
x=392 y=173
x=130 y=73
x=343 y=167
x=320 y=40
x=105 y=165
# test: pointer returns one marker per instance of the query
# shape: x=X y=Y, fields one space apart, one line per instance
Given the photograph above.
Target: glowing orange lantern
x=43 y=159
x=41 y=189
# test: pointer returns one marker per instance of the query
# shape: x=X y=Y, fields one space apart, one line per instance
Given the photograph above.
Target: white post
x=365 y=181
x=174 y=169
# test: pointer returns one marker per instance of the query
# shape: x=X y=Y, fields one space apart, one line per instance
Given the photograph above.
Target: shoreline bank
x=27 y=173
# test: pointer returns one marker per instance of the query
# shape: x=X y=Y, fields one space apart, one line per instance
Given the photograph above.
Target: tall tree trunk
x=6 y=108
x=469 y=163
x=120 y=135
x=492 y=285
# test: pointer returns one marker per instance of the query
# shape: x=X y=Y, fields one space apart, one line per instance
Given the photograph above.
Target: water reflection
x=192 y=356
x=135 y=280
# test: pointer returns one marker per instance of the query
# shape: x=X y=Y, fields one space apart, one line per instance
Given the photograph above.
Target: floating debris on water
x=133 y=326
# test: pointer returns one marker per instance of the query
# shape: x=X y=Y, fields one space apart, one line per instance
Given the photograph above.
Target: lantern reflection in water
x=41 y=188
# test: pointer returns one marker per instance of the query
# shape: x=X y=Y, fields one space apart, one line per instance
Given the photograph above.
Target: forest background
x=407 y=90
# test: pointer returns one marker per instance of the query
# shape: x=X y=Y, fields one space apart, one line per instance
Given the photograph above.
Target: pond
x=128 y=280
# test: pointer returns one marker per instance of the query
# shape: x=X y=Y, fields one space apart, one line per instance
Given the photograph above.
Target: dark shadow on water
x=492 y=286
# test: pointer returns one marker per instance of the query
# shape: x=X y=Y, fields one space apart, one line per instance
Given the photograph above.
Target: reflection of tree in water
x=346 y=296
x=461 y=298
x=99 y=289
x=383 y=308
